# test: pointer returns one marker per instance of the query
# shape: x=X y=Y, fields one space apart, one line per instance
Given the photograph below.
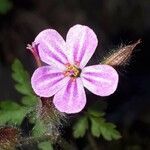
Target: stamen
x=72 y=71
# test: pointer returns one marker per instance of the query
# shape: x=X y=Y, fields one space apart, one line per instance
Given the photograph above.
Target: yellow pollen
x=72 y=71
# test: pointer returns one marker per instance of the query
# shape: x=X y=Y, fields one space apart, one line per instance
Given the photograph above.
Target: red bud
x=9 y=137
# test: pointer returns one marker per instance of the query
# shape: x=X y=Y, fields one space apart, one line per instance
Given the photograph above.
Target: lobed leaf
x=100 y=127
x=23 y=85
x=11 y=113
x=95 y=113
x=80 y=127
x=95 y=130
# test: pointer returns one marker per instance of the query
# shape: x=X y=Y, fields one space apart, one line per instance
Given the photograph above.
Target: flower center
x=72 y=71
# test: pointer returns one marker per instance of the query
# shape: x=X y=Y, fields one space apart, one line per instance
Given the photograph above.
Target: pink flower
x=65 y=76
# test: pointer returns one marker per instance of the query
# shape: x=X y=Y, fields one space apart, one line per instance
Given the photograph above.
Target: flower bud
x=9 y=138
x=34 y=50
x=121 y=56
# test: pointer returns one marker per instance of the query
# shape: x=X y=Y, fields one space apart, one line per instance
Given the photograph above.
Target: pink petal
x=100 y=79
x=72 y=98
x=51 y=47
x=81 y=42
x=46 y=81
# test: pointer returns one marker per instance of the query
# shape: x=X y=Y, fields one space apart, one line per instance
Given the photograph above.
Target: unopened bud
x=33 y=48
x=9 y=138
x=121 y=56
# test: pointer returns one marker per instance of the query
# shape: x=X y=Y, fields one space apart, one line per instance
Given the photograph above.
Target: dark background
x=115 y=22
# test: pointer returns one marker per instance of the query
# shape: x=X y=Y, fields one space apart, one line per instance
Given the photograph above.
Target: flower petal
x=71 y=98
x=81 y=43
x=100 y=79
x=46 y=81
x=51 y=47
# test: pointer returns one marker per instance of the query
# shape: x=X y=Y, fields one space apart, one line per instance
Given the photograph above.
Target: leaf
x=23 y=85
x=29 y=100
x=39 y=128
x=95 y=127
x=100 y=127
x=95 y=113
x=80 y=127
x=45 y=146
x=109 y=132
x=5 y=6
x=21 y=76
x=11 y=112
x=9 y=105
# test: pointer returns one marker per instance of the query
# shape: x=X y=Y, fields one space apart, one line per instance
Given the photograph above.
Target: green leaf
x=45 y=146
x=11 y=113
x=23 y=84
x=95 y=113
x=95 y=127
x=29 y=100
x=39 y=128
x=23 y=88
x=100 y=127
x=21 y=76
x=109 y=132
x=80 y=127
x=9 y=105
x=5 y=6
